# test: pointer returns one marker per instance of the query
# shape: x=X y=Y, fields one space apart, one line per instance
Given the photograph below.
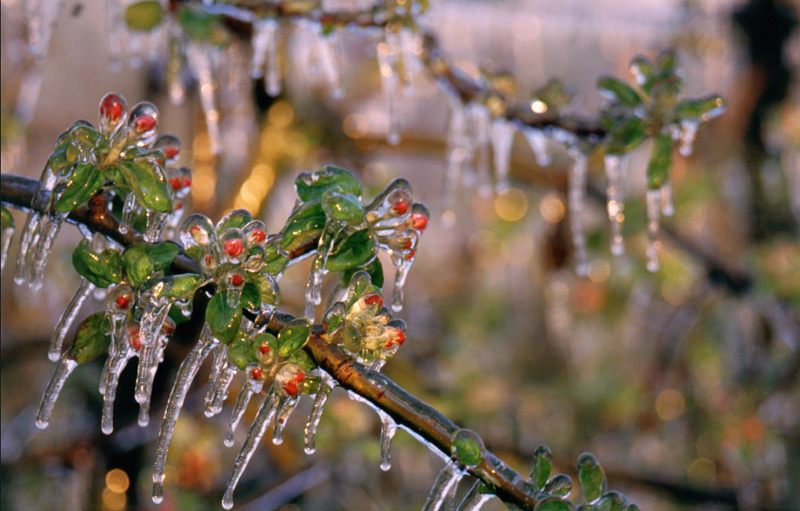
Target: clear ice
x=502 y=139
x=320 y=398
x=474 y=499
x=249 y=388
x=199 y=59
x=64 y=368
x=537 y=139
x=443 y=489
x=575 y=199
x=616 y=206
x=67 y=318
x=387 y=63
x=653 y=216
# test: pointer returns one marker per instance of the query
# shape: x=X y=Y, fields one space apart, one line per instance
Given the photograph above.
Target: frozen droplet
x=262 y=421
x=186 y=374
x=537 y=139
x=285 y=410
x=313 y=293
x=653 y=216
x=199 y=59
x=249 y=388
x=50 y=227
x=388 y=430
x=474 y=499
x=387 y=63
x=502 y=139
x=64 y=368
x=320 y=398
x=67 y=318
x=575 y=199
x=615 y=200
x=128 y=210
x=688 y=133
x=667 y=208
x=444 y=486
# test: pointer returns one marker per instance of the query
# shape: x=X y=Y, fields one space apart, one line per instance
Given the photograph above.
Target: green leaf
x=147 y=181
x=84 y=182
x=267 y=292
x=303 y=228
x=144 y=16
x=542 y=465
x=660 y=161
x=467 y=448
x=242 y=351
x=560 y=486
x=616 y=89
x=237 y=218
x=553 y=504
x=223 y=320
x=591 y=477
x=181 y=287
x=302 y=359
x=251 y=296
x=374 y=269
x=626 y=136
x=702 y=108
x=343 y=207
x=201 y=26
x=311 y=186
x=92 y=338
x=293 y=336
x=612 y=501
x=143 y=260
x=354 y=251
x=102 y=270
x=6 y=220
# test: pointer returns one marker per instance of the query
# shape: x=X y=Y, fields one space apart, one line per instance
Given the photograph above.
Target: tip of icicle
x=107 y=429
x=158 y=493
x=228 y=441
x=144 y=420
x=277 y=440
x=310 y=450
x=53 y=356
x=397 y=306
x=42 y=424
x=227 y=502
x=386 y=466
x=393 y=138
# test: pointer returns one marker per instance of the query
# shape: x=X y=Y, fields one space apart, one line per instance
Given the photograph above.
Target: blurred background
x=684 y=382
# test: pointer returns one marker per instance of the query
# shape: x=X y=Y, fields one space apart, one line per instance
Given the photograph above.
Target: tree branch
x=418 y=417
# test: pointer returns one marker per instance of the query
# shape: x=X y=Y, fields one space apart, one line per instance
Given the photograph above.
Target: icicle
x=8 y=233
x=653 y=244
x=444 y=487
x=186 y=374
x=118 y=344
x=474 y=499
x=50 y=230
x=320 y=398
x=327 y=58
x=480 y=121
x=667 y=208
x=687 y=136
x=199 y=59
x=402 y=267
x=155 y=312
x=314 y=291
x=265 y=51
x=387 y=60
x=115 y=365
x=410 y=48
x=29 y=232
x=288 y=406
x=249 y=388
x=388 y=430
x=67 y=318
x=616 y=207
x=458 y=149
x=221 y=392
x=64 y=368
x=502 y=139
x=128 y=209
x=116 y=32
x=149 y=359
x=40 y=17
x=265 y=415
x=155 y=225
x=537 y=139
x=218 y=367
x=577 y=187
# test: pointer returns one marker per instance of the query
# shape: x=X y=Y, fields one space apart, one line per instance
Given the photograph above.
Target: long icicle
x=26 y=243
x=443 y=487
x=616 y=207
x=43 y=248
x=128 y=209
x=285 y=411
x=116 y=364
x=153 y=356
x=186 y=374
x=388 y=430
x=320 y=398
x=249 y=388
x=502 y=139
x=474 y=499
x=481 y=137
x=222 y=373
x=199 y=59
x=67 y=318
x=64 y=368
x=653 y=217
x=265 y=415
x=387 y=61
x=577 y=187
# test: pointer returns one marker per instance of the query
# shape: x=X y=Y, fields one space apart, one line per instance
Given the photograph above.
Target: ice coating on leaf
x=186 y=374
x=320 y=398
x=616 y=206
x=475 y=498
x=560 y=486
x=64 y=368
x=272 y=403
x=68 y=318
x=575 y=200
x=502 y=139
x=197 y=235
x=542 y=465
x=537 y=139
x=199 y=59
x=653 y=200
x=443 y=490
x=591 y=477
x=170 y=145
x=387 y=64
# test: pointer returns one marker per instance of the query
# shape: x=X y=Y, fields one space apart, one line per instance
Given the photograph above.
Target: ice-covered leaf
x=467 y=448
x=620 y=91
x=374 y=269
x=626 y=136
x=144 y=16
x=591 y=477
x=222 y=319
x=142 y=260
x=101 y=269
x=354 y=251
x=236 y=219
x=311 y=185
x=701 y=108
x=303 y=227
x=146 y=180
x=85 y=180
x=542 y=465
x=660 y=161
x=293 y=336
x=343 y=207
x=612 y=501
x=554 y=504
x=92 y=338
x=560 y=486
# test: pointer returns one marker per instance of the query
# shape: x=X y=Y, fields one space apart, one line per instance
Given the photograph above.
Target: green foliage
x=222 y=319
x=293 y=336
x=92 y=338
x=86 y=179
x=143 y=260
x=101 y=269
x=144 y=16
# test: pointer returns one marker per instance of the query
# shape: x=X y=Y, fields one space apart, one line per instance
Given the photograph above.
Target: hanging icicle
x=7 y=234
x=326 y=56
x=285 y=411
x=502 y=140
x=537 y=139
x=474 y=499
x=64 y=368
x=480 y=129
x=387 y=65
x=667 y=207
x=250 y=387
x=459 y=150
x=577 y=186
x=320 y=398
x=614 y=166
x=200 y=59
x=653 y=215
x=67 y=318
x=265 y=54
x=444 y=486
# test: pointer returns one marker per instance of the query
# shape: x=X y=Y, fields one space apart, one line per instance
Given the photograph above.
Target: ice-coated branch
x=423 y=421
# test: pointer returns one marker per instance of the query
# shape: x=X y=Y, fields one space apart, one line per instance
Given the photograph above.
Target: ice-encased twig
x=67 y=318
x=265 y=415
x=186 y=374
x=63 y=369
